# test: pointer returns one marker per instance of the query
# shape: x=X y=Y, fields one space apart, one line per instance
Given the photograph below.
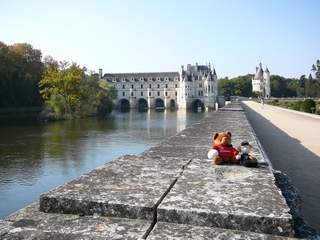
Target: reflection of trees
x=26 y=150
x=32 y=152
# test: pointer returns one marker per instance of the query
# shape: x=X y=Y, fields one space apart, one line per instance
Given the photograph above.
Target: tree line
x=66 y=90
x=280 y=86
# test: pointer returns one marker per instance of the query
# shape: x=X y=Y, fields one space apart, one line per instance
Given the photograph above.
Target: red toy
x=222 y=151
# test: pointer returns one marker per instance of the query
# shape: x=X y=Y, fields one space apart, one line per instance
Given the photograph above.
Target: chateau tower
x=261 y=82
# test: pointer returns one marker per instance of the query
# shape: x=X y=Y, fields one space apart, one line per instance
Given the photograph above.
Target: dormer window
x=141 y=79
x=166 y=79
x=158 y=79
x=132 y=79
x=113 y=80
x=123 y=79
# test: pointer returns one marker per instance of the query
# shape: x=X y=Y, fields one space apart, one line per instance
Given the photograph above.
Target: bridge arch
x=142 y=105
x=123 y=105
x=198 y=106
x=172 y=104
x=159 y=104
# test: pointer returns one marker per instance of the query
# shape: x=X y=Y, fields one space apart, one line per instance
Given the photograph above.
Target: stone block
x=232 y=197
x=181 y=232
x=129 y=187
x=29 y=223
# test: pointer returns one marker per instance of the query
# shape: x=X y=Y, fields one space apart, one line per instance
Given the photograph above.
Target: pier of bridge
x=170 y=191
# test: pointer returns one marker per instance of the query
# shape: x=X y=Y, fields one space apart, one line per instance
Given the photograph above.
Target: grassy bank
x=307 y=105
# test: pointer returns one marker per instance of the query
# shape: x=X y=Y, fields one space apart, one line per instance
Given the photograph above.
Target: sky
x=162 y=35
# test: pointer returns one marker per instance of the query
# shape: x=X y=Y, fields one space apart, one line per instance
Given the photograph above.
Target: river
x=36 y=157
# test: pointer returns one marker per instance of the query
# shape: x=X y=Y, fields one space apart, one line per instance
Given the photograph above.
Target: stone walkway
x=292 y=142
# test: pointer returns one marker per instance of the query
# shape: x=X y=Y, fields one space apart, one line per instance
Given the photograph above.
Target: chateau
x=261 y=82
x=192 y=88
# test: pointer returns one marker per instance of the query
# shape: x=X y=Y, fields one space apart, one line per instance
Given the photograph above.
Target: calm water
x=35 y=157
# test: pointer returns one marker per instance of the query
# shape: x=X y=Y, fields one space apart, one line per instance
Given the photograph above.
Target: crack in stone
x=155 y=213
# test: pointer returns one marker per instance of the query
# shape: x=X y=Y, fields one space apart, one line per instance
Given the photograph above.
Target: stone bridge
x=170 y=191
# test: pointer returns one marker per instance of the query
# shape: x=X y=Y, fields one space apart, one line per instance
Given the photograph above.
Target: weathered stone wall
x=170 y=191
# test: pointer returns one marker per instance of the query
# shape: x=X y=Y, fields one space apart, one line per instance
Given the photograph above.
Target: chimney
x=100 y=73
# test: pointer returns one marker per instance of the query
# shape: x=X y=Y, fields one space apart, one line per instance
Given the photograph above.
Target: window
x=149 y=94
x=209 y=88
x=123 y=86
x=123 y=94
x=141 y=94
x=158 y=85
x=149 y=85
x=131 y=94
x=166 y=85
x=141 y=85
x=176 y=94
x=176 y=85
x=166 y=94
x=200 y=85
x=132 y=86
x=158 y=94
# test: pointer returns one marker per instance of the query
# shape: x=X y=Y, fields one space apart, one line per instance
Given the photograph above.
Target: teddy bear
x=244 y=155
x=222 y=151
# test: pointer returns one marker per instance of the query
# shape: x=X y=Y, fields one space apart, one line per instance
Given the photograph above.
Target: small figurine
x=245 y=158
x=222 y=151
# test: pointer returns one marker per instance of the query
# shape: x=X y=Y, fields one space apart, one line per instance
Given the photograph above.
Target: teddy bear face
x=222 y=138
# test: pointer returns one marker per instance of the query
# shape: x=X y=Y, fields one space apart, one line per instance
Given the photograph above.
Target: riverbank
x=164 y=191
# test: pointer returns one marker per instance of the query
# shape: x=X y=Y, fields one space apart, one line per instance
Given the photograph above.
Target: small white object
x=212 y=153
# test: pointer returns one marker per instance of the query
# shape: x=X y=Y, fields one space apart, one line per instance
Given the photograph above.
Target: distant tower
x=267 y=83
x=100 y=73
x=261 y=81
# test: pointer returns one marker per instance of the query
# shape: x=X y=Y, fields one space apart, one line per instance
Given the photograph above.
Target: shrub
x=318 y=108
x=274 y=102
x=308 y=106
x=297 y=105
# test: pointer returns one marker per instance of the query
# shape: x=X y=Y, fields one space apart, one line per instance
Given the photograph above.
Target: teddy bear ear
x=215 y=135
x=229 y=133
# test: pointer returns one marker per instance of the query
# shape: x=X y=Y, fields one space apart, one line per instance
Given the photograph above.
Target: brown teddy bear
x=222 y=151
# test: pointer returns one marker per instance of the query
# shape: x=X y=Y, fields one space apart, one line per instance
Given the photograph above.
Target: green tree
x=69 y=92
x=60 y=88
x=20 y=72
x=238 y=86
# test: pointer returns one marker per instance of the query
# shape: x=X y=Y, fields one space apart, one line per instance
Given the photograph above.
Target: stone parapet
x=171 y=191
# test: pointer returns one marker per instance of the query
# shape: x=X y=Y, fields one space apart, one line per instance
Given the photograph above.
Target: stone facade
x=261 y=82
x=193 y=87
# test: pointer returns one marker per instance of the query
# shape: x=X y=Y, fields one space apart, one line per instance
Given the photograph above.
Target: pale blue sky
x=161 y=35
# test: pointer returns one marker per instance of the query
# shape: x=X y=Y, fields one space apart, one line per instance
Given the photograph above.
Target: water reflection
x=36 y=157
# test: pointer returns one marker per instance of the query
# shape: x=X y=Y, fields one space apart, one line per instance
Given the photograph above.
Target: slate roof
x=259 y=73
x=137 y=76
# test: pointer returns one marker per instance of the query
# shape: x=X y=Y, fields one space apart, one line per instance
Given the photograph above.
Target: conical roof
x=267 y=70
x=259 y=73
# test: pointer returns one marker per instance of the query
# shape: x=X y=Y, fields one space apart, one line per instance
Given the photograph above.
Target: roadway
x=292 y=143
